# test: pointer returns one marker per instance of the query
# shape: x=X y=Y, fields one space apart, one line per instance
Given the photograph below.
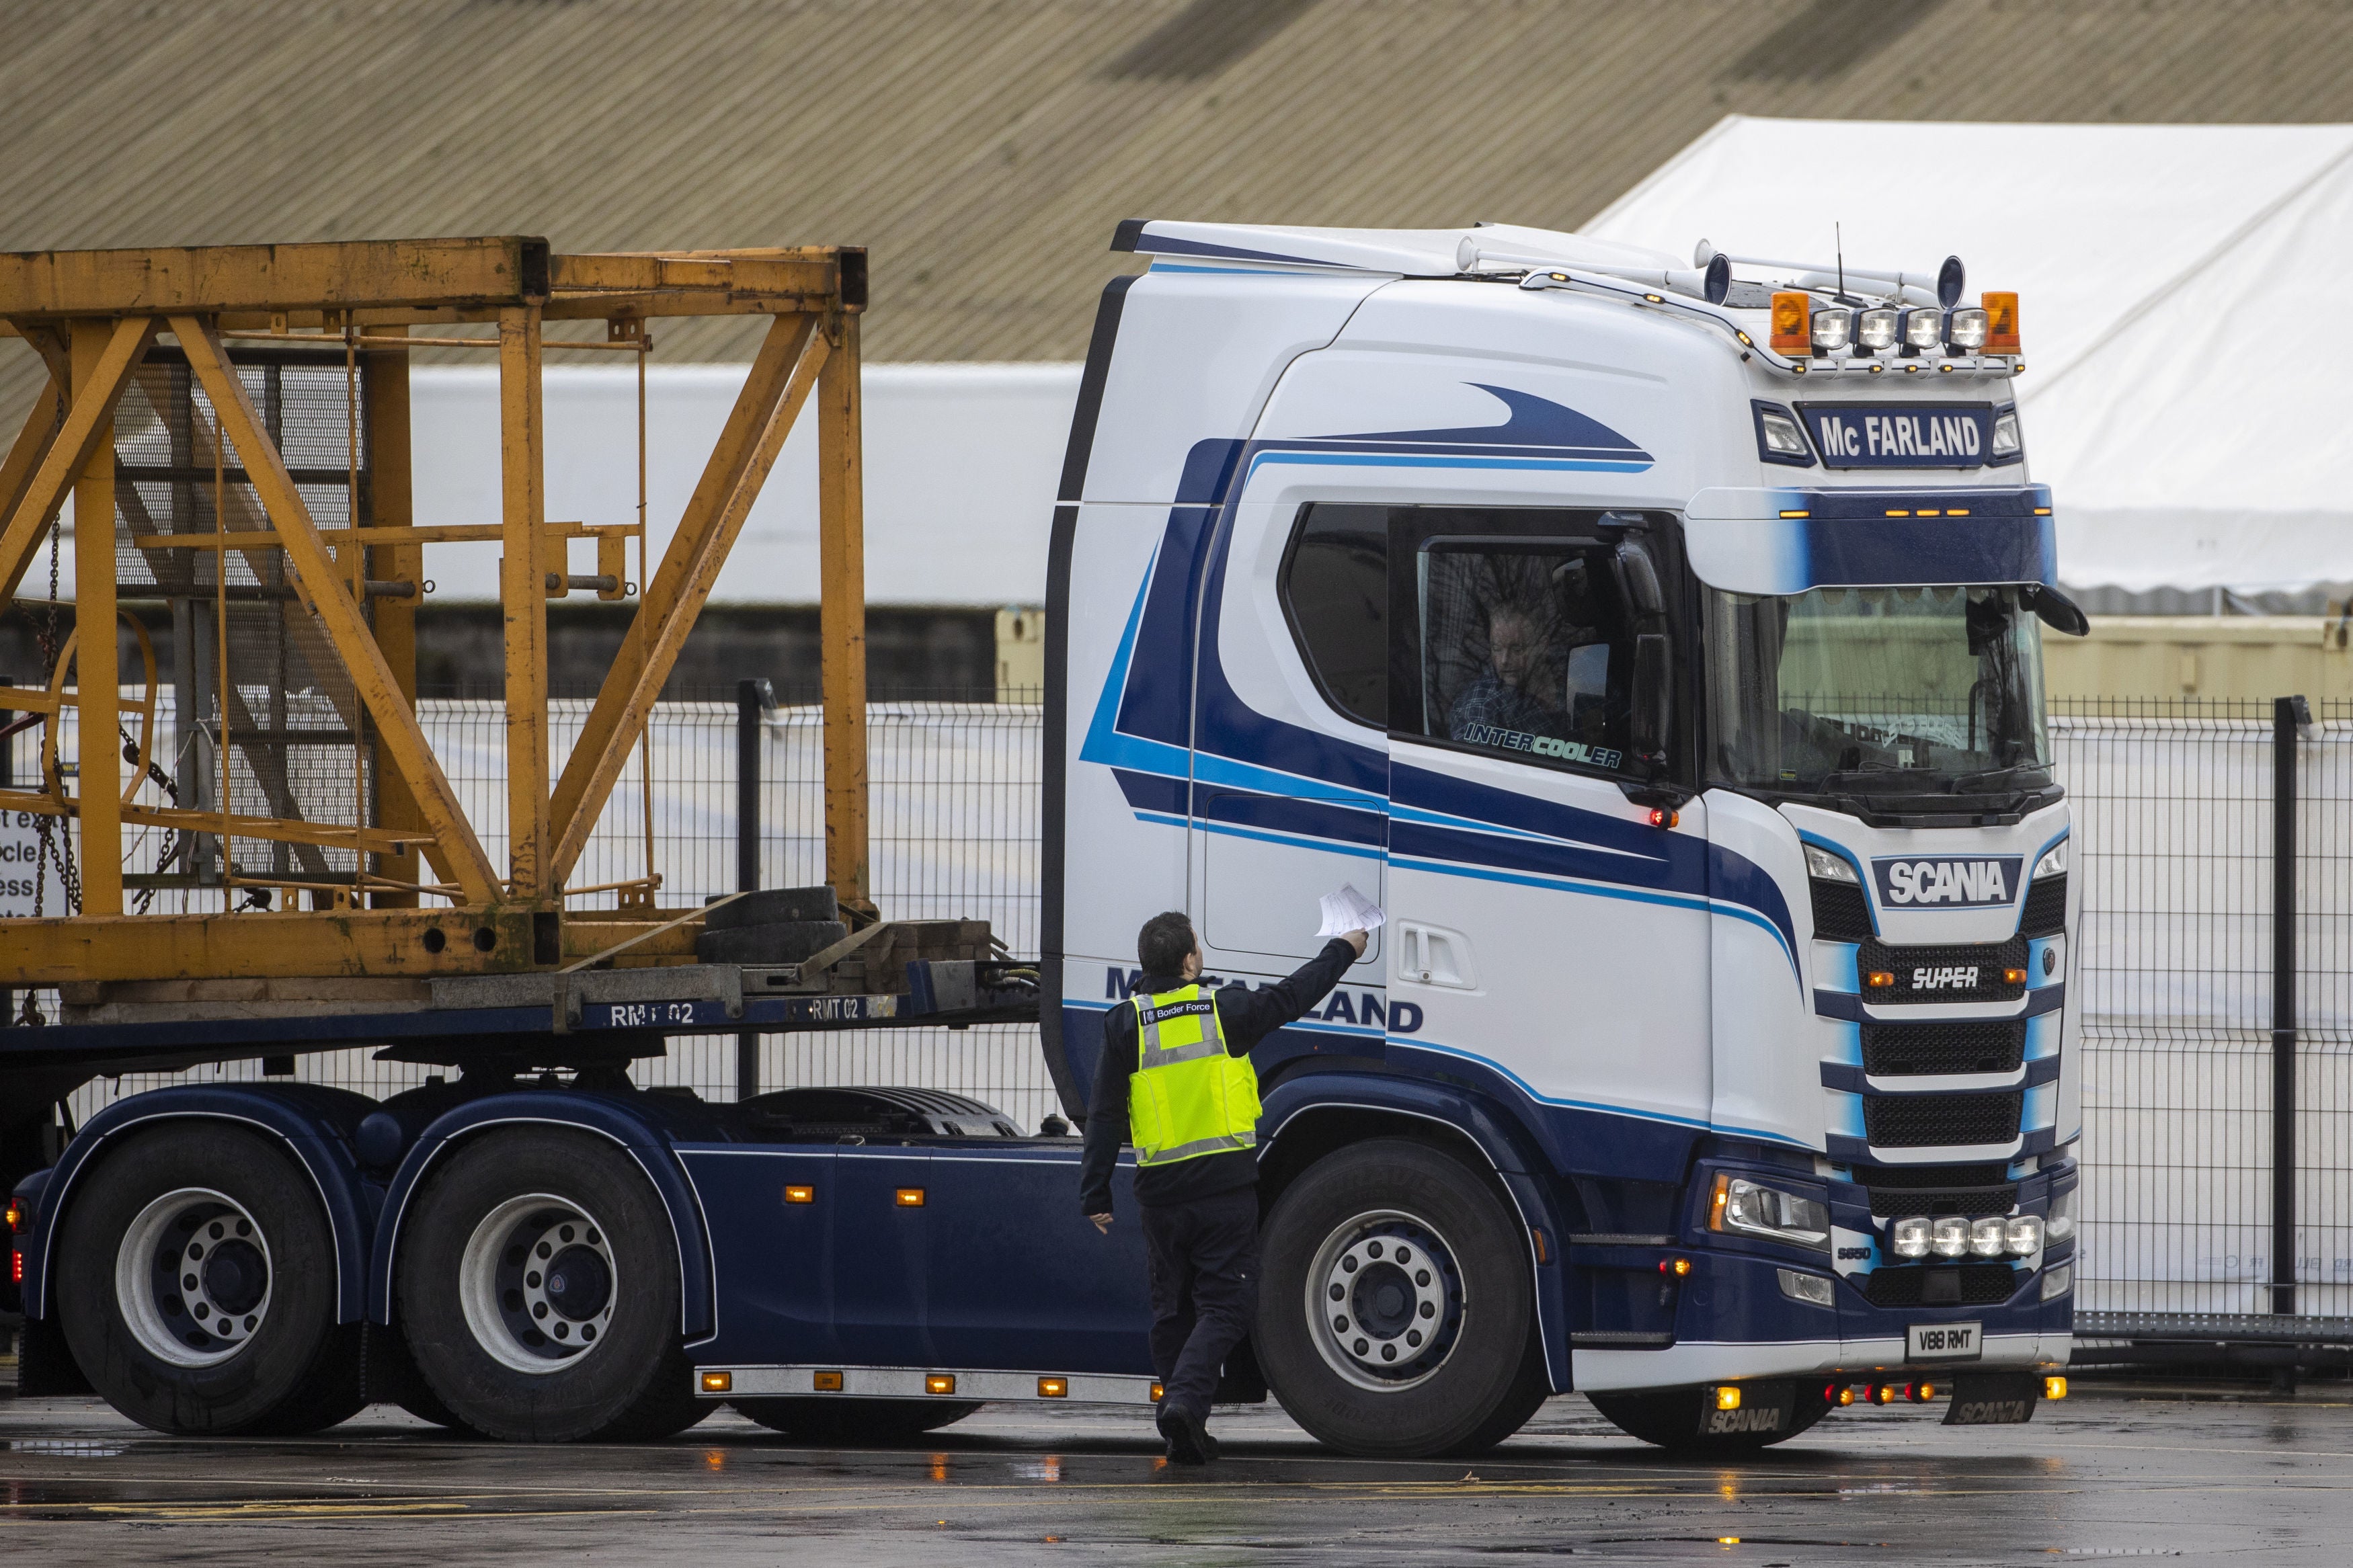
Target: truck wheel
x=538 y=1288
x=880 y=1422
x=196 y=1287
x=1669 y=1417
x=1396 y=1316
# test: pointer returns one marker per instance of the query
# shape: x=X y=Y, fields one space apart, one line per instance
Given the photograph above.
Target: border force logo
x=1946 y=881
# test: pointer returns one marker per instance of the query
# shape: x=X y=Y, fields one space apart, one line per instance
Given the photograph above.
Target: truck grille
x=1930 y=1120
x=2046 y=907
x=1839 y=912
x=1982 y=1285
x=1986 y=1174
x=1958 y=973
x=1898 y=1202
x=1952 y=1045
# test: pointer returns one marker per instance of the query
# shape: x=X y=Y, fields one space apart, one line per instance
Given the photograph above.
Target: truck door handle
x=1433 y=956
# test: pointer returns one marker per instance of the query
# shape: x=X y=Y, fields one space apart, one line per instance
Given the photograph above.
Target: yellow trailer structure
x=329 y=842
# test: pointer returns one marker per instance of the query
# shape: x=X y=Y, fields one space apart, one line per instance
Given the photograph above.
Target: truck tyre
x=1669 y=1417
x=881 y=1423
x=537 y=1282
x=196 y=1287
x=1395 y=1316
x=771 y=905
x=781 y=942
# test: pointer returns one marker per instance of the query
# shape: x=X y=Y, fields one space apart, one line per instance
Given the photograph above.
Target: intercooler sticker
x=1946 y=881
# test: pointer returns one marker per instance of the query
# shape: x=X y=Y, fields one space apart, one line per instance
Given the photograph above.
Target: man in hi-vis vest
x=1175 y=1081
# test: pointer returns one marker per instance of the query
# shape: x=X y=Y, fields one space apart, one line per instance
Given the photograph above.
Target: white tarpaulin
x=2183 y=395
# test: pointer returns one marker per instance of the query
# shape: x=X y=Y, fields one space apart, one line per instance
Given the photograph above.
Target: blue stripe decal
x=1398 y=1043
x=1632 y=895
x=1393 y=459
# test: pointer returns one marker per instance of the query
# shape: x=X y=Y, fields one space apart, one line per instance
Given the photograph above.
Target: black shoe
x=1188 y=1444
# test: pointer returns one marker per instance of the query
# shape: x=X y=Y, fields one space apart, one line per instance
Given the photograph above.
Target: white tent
x=2183 y=396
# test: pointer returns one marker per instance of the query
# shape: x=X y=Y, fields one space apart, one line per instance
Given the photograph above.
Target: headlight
x=2055 y=1281
x=1911 y=1238
x=1810 y=1287
x=2005 y=435
x=2054 y=862
x=2061 y=1225
x=1876 y=329
x=1829 y=867
x=1834 y=326
x=1950 y=1238
x=1781 y=436
x=1923 y=328
x=1743 y=1208
x=2023 y=1234
x=1963 y=329
x=1988 y=1237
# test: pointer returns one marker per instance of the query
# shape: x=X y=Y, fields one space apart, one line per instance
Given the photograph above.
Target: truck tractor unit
x=1658 y=645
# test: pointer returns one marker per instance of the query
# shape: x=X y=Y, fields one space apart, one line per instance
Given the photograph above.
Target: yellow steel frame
x=92 y=316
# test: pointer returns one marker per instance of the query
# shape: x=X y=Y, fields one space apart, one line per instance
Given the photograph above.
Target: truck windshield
x=1877 y=692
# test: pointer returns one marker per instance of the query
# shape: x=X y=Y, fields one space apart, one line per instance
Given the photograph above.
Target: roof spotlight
x=1875 y=330
x=1834 y=327
x=1922 y=329
x=1965 y=330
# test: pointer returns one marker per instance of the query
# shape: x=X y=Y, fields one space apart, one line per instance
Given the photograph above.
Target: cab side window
x=1525 y=647
x=1336 y=594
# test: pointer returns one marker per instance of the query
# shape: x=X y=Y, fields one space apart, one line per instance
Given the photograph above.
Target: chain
x=69 y=884
x=172 y=842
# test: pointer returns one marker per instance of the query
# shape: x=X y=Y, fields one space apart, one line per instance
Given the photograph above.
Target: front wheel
x=538 y=1292
x=1397 y=1315
x=196 y=1287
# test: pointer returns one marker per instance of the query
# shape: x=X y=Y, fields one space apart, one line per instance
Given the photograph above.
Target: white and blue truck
x=1658 y=644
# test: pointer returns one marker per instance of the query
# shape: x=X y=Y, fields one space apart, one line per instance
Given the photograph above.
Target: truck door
x=1290 y=766
x=1544 y=933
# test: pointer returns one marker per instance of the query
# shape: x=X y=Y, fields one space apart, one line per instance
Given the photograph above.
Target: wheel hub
x=192 y=1277
x=1385 y=1301
x=537 y=1283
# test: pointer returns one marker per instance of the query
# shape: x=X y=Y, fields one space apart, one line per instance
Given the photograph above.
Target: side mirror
x=2059 y=612
x=1653 y=698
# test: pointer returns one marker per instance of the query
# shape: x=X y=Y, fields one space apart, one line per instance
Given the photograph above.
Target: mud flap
x=1763 y=1407
x=1993 y=1399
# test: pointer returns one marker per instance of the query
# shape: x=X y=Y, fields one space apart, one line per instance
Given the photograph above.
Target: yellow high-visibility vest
x=1188 y=1096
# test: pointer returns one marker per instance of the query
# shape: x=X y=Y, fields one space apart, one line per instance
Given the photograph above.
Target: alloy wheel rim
x=1385 y=1301
x=537 y=1282
x=193 y=1278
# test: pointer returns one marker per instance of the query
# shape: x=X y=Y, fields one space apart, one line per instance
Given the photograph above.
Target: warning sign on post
x=20 y=855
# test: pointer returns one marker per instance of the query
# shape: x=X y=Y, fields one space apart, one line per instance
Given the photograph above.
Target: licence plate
x=1943 y=1342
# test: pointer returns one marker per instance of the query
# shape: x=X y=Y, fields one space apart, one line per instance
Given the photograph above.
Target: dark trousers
x=1202 y=1261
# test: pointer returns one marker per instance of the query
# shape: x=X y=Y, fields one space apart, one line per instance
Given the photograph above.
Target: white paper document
x=1348 y=911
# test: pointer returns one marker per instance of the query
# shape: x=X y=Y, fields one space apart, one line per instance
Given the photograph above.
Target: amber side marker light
x=1677 y=1267
x=940 y=1382
x=1837 y=1393
x=1157 y=1391
x=2054 y=1388
x=2013 y=977
x=826 y=1382
x=14 y=1214
x=1053 y=1388
x=1793 y=327
x=800 y=1194
x=1661 y=817
x=718 y=1381
x=1728 y=1398
x=1880 y=978
x=911 y=1198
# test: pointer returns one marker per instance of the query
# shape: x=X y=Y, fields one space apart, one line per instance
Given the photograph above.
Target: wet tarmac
x=2248 y=1480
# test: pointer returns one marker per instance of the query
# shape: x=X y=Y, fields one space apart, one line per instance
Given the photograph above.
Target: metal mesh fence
x=954 y=790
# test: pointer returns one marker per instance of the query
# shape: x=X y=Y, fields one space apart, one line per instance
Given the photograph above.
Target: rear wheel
x=1397 y=1316
x=1672 y=1418
x=538 y=1288
x=196 y=1287
x=880 y=1422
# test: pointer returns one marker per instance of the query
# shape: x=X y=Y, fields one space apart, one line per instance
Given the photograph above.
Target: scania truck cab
x=1660 y=646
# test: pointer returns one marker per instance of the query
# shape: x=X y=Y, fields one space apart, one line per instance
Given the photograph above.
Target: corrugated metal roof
x=984 y=148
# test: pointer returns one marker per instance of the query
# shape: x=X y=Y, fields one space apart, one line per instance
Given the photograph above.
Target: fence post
x=2287 y=714
x=752 y=698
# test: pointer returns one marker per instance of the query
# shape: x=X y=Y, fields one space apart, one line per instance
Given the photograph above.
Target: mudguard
x=316 y=1124
x=636 y=1124
x=1509 y=1149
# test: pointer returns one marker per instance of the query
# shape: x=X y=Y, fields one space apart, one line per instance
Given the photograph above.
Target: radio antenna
x=1837 y=241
